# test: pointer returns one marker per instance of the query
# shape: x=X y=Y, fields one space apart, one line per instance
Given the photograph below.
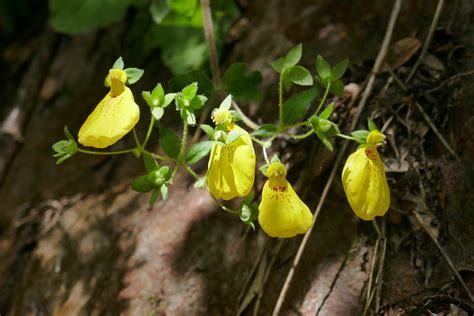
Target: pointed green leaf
x=164 y=191
x=360 y=136
x=337 y=88
x=170 y=142
x=169 y=97
x=158 y=10
x=294 y=55
x=278 y=64
x=241 y=83
x=322 y=67
x=133 y=75
x=198 y=151
x=118 y=64
x=326 y=114
x=199 y=76
x=190 y=90
x=208 y=130
x=154 y=196
x=158 y=93
x=150 y=163
x=295 y=107
x=227 y=103
x=300 y=76
x=372 y=126
x=232 y=136
x=265 y=131
x=339 y=69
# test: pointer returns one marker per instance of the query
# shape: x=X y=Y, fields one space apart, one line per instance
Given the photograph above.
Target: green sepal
x=190 y=90
x=154 y=196
x=226 y=103
x=164 y=191
x=118 y=64
x=209 y=130
x=150 y=163
x=133 y=75
x=201 y=183
x=157 y=113
x=292 y=58
x=232 y=136
x=339 y=69
x=360 y=136
x=64 y=149
x=326 y=114
x=322 y=67
x=372 y=125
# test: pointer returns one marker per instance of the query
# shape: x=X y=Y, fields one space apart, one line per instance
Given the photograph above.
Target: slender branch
x=280 y=101
x=135 y=137
x=182 y=149
x=191 y=171
x=345 y=137
x=148 y=133
x=323 y=100
x=93 y=152
x=434 y=22
x=301 y=136
x=161 y=157
x=378 y=63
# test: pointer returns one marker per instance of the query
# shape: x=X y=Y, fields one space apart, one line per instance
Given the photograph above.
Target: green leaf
x=300 y=76
x=326 y=114
x=372 y=126
x=325 y=141
x=188 y=116
x=141 y=184
x=118 y=64
x=198 y=151
x=152 y=102
x=190 y=90
x=263 y=169
x=170 y=142
x=278 y=64
x=339 y=69
x=324 y=125
x=241 y=83
x=322 y=67
x=68 y=134
x=150 y=163
x=79 y=16
x=275 y=158
x=295 y=107
x=133 y=75
x=154 y=196
x=198 y=102
x=157 y=113
x=249 y=198
x=169 y=97
x=337 y=88
x=265 y=131
x=227 y=103
x=158 y=10
x=235 y=116
x=360 y=136
x=232 y=136
x=294 y=55
x=199 y=76
x=209 y=130
x=158 y=93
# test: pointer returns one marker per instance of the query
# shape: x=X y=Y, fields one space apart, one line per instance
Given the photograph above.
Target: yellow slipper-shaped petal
x=364 y=181
x=231 y=168
x=281 y=212
x=113 y=117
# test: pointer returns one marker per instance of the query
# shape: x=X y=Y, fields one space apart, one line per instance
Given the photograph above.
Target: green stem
x=225 y=208
x=163 y=158
x=191 y=171
x=92 y=152
x=135 y=136
x=345 y=137
x=148 y=133
x=323 y=99
x=182 y=149
x=295 y=136
x=296 y=125
x=258 y=141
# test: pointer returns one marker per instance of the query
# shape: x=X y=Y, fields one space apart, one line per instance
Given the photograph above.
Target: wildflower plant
x=232 y=161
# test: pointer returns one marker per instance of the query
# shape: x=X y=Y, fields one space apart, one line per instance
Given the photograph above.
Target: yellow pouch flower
x=231 y=168
x=364 y=180
x=281 y=212
x=113 y=117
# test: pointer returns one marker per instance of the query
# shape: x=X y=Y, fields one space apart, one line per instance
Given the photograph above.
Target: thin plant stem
x=163 y=158
x=378 y=63
x=247 y=121
x=301 y=136
x=258 y=141
x=323 y=100
x=211 y=44
x=182 y=149
x=225 y=208
x=148 y=133
x=265 y=155
x=345 y=136
x=93 y=152
x=296 y=125
x=191 y=171
x=135 y=137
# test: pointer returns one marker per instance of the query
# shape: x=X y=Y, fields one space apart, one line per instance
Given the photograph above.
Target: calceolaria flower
x=231 y=168
x=364 y=181
x=281 y=212
x=113 y=117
